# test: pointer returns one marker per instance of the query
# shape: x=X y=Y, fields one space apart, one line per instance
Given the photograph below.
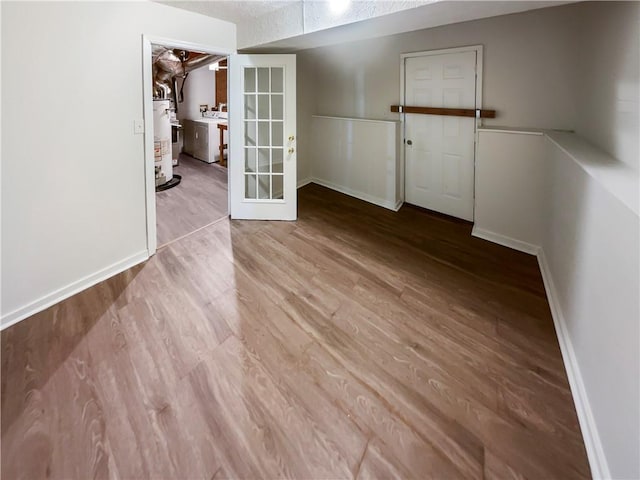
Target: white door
x=439 y=150
x=262 y=137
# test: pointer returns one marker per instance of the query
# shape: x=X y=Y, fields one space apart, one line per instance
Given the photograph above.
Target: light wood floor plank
x=354 y=343
x=199 y=199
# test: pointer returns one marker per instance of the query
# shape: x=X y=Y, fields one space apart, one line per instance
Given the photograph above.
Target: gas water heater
x=162 y=143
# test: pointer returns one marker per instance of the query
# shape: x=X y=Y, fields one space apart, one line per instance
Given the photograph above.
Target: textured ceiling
x=289 y=25
x=432 y=14
x=235 y=11
x=262 y=21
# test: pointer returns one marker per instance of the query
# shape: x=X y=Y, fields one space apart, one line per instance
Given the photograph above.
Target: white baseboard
x=590 y=436
x=52 y=298
x=505 y=241
x=304 y=181
x=399 y=204
x=390 y=204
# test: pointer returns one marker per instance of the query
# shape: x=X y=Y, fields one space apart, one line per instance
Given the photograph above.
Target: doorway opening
x=438 y=154
x=186 y=137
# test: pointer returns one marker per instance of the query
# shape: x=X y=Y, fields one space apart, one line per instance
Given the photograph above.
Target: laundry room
x=190 y=140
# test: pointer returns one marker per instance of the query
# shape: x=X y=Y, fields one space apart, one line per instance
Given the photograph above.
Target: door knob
x=409 y=142
x=291 y=150
x=291 y=138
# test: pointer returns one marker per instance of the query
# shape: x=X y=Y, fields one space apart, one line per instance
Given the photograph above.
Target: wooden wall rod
x=455 y=112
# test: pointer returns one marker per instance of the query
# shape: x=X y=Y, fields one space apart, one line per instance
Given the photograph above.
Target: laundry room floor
x=199 y=199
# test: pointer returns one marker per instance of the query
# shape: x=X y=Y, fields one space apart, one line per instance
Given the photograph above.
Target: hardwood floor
x=354 y=343
x=199 y=199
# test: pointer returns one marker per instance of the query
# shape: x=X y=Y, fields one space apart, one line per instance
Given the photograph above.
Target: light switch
x=138 y=127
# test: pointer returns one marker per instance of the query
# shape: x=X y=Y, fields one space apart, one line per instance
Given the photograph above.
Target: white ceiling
x=235 y=11
x=434 y=14
x=290 y=25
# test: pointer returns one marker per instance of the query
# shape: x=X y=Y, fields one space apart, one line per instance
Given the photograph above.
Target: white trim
x=398 y=206
x=590 y=436
x=514 y=130
x=391 y=205
x=441 y=51
x=149 y=172
x=617 y=178
x=371 y=120
x=505 y=241
x=56 y=296
x=304 y=181
x=479 y=49
x=173 y=43
x=147 y=105
x=403 y=135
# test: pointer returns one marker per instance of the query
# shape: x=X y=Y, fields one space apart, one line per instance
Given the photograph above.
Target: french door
x=262 y=137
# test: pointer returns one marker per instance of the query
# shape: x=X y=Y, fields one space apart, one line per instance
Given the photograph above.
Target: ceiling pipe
x=170 y=64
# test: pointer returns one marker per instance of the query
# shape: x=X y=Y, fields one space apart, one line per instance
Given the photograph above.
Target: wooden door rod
x=455 y=112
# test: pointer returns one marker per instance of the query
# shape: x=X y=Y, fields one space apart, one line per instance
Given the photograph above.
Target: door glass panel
x=263 y=160
x=263 y=107
x=277 y=107
x=250 y=186
x=249 y=159
x=277 y=134
x=249 y=106
x=278 y=190
x=263 y=80
x=277 y=157
x=277 y=79
x=250 y=134
x=249 y=79
x=263 y=134
x=264 y=186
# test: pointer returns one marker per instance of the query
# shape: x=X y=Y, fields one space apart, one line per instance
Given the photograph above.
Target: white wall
x=528 y=72
x=343 y=148
x=591 y=244
x=199 y=89
x=573 y=67
x=608 y=86
x=528 y=69
x=590 y=234
x=560 y=197
x=73 y=188
x=305 y=106
x=509 y=188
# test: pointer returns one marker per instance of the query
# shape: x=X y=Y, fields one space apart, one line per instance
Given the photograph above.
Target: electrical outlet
x=138 y=127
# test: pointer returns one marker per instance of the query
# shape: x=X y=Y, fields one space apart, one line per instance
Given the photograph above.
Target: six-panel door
x=439 y=153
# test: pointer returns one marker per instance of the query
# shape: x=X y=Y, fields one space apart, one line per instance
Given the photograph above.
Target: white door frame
x=147 y=100
x=403 y=56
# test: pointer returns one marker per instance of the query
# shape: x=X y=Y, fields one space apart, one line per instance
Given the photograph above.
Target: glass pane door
x=264 y=142
x=262 y=137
